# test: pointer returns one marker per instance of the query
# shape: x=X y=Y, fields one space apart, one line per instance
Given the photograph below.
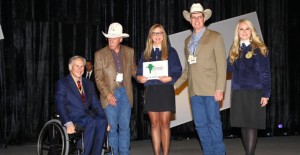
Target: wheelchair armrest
x=78 y=128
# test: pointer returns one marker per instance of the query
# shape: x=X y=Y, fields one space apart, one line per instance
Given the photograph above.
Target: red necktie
x=81 y=91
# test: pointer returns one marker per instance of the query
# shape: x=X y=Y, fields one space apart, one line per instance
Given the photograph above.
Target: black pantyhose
x=249 y=136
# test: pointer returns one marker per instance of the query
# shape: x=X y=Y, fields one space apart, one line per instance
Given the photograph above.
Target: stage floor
x=279 y=145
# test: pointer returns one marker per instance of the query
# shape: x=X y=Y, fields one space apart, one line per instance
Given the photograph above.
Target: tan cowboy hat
x=115 y=30
x=197 y=8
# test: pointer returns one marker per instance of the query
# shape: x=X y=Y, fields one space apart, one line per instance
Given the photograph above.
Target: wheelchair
x=54 y=140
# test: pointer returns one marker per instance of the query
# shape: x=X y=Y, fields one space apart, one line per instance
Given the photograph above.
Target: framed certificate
x=155 y=69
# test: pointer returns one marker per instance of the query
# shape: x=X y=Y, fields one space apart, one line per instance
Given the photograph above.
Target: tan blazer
x=208 y=74
x=105 y=72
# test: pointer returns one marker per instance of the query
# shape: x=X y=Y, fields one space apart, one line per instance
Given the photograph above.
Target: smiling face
x=157 y=36
x=197 y=21
x=77 y=68
x=244 y=31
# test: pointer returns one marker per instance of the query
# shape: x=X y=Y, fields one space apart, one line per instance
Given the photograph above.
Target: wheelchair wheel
x=53 y=139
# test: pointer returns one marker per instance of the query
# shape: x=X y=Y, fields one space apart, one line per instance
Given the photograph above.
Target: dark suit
x=92 y=76
x=70 y=107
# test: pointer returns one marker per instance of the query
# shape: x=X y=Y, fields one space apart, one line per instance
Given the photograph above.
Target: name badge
x=119 y=77
x=192 y=59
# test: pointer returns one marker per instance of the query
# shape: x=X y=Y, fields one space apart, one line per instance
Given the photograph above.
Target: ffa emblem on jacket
x=248 y=55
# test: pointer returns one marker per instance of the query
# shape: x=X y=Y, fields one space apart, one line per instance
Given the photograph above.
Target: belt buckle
x=118 y=85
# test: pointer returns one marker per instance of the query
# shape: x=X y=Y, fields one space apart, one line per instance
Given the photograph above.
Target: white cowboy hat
x=197 y=8
x=115 y=30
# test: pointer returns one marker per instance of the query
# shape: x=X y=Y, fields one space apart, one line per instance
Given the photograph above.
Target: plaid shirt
x=195 y=39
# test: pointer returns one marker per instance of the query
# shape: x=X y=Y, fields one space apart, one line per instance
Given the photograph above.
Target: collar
x=112 y=50
x=199 y=33
x=76 y=79
x=90 y=71
x=246 y=42
x=157 y=47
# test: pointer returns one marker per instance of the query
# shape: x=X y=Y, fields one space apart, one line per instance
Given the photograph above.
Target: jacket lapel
x=73 y=87
x=187 y=47
x=198 y=49
x=124 y=55
x=111 y=59
x=86 y=90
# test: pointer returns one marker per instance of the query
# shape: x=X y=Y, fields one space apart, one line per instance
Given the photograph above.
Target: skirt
x=246 y=110
x=159 y=98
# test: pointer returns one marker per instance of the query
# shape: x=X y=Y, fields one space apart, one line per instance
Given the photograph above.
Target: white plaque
x=155 y=69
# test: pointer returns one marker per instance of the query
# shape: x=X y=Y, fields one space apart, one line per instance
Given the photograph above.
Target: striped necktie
x=81 y=91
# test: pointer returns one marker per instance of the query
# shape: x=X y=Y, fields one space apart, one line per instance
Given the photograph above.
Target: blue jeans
x=206 y=113
x=119 y=119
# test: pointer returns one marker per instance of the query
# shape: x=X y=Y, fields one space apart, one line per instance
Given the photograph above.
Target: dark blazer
x=174 y=66
x=89 y=115
x=251 y=73
x=92 y=76
x=68 y=100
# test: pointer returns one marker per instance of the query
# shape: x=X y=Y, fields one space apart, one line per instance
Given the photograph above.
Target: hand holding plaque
x=155 y=69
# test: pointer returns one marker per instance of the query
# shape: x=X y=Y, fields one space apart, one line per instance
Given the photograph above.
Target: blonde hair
x=149 y=43
x=255 y=41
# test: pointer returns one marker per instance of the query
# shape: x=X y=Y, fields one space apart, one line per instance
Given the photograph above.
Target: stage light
x=282 y=130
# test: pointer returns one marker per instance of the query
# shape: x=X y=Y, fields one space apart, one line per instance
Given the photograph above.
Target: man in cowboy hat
x=205 y=71
x=114 y=66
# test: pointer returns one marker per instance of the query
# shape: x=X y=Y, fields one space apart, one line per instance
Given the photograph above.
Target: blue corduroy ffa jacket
x=175 y=68
x=251 y=73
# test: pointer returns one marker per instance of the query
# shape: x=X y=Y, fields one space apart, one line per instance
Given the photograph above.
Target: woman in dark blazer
x=159 y=93
x=248 y=61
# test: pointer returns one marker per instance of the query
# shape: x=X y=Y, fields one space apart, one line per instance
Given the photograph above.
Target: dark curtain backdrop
x=41 y=35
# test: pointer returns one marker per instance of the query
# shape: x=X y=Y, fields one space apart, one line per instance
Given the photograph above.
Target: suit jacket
x=69 y=104
x=208 y=74
x=251 y=73
x=92 y=76
x=105 y=72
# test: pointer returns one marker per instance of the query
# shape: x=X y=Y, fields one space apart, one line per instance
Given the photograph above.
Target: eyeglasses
x=157 y=33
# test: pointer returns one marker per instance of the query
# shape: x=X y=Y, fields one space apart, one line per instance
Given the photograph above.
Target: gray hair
x=75 y=58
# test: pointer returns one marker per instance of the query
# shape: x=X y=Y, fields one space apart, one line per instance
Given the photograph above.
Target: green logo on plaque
x=150 y=67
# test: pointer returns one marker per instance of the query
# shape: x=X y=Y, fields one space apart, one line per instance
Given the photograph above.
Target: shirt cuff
x=68 y=124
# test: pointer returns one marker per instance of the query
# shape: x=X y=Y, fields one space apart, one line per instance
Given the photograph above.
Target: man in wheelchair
x=78 y=106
